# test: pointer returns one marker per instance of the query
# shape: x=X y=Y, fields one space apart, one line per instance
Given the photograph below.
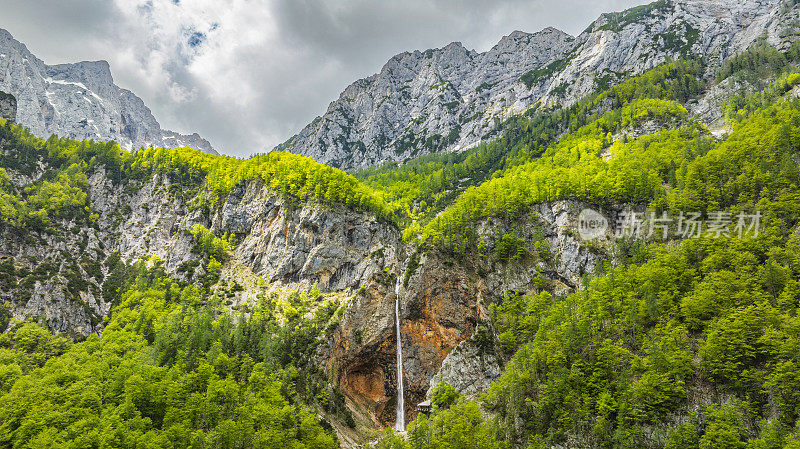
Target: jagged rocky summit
x=451 y=98
x=81 y=101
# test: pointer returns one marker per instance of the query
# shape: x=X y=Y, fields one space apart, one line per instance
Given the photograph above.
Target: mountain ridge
x=80 y=100
x=451 y=98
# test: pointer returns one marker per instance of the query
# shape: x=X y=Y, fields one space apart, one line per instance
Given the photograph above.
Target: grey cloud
x=320 y=47
x=58 y=31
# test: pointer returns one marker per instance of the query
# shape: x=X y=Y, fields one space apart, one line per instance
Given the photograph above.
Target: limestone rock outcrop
x=81 y=101
x=469 y=368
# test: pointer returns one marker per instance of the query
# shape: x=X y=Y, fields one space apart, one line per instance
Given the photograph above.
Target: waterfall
x=400 y=424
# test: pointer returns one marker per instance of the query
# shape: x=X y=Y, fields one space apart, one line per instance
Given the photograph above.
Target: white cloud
x=247 y=74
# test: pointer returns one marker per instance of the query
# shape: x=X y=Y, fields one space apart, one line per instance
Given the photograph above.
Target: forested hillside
x=176 y=365
x=62 y=191
x=687 y=343
x=172 y=369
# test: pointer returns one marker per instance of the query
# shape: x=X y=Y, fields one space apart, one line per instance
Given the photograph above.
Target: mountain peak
x=100 y=67
x=552 y=30
x=546 y=34
x=517 y=34
x=456 y=45
x=93 y=74
x=80 y=101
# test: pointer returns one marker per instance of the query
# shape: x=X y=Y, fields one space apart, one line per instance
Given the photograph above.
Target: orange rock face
x=439 y=308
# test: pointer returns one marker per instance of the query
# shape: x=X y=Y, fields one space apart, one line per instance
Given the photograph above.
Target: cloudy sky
x=246 y=74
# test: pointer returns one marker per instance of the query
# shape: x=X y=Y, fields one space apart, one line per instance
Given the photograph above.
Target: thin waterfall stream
x=400 y=423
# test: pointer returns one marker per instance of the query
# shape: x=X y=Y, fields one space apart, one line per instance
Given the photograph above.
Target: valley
x=315 y=295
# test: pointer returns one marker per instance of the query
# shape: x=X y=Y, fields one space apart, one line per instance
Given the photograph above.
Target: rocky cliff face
x=451 y=98
x=8 y=106
x=61 y=275
x=442 y=303
x=80 y=101
x=336 y=248
x=423 y=102
x=439 y=309
x=469 y=368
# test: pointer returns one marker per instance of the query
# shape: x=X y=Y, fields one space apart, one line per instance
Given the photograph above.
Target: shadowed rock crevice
x=8 y=106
